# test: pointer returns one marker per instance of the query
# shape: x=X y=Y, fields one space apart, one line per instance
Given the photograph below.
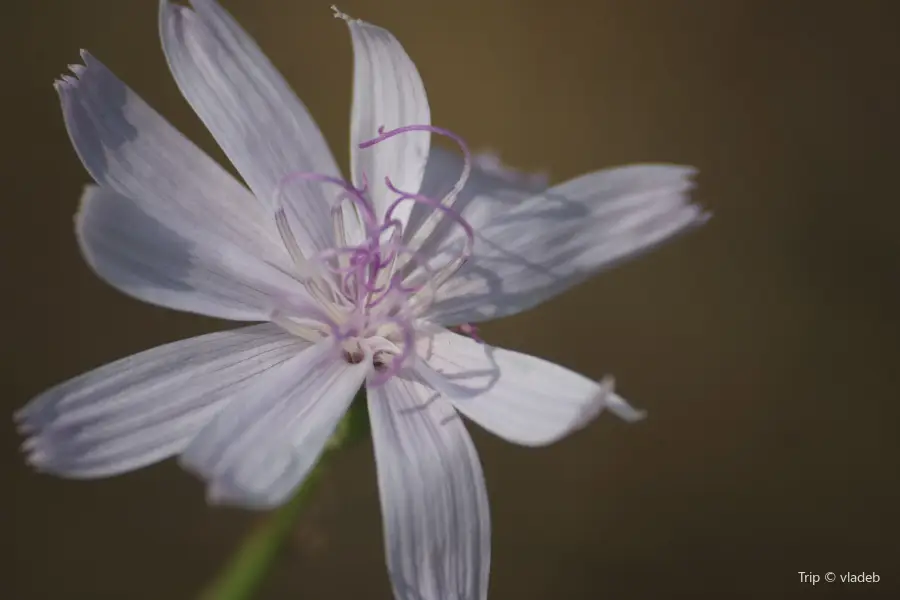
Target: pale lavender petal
x=127 y=146
x=542 y=246
x=149 y=406
x=490 y=189
x=435 y=508
x=523 y=399
x=135 y=154
x=387 y=92
x=257 y=451
x=171 y=265
x=258 y=121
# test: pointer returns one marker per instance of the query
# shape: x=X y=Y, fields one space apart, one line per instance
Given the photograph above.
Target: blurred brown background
x=765 y=346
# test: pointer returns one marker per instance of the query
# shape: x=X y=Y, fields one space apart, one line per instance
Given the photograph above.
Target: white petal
x=436 y=517
x=147 y=407
x=258 y=121
x=521 y=398
x=260 y=449
x=540 y=247
x=388 y=92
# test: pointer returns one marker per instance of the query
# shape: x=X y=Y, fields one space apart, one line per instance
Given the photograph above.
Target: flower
x=356 y=283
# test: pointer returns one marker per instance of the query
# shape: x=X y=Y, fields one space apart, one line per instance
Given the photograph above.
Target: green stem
x=254 y=559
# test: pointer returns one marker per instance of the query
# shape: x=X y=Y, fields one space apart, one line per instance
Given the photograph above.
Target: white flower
x=356 y=282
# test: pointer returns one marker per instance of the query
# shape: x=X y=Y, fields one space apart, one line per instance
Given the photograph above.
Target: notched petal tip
x=344 y=16
x=37 y=447
x=67 y=81
x=697 y=219
x=30 y=445
x=36 y=455
x=681 y=184
x=689 y=175
x=20 y=416
x=23 y=427
x=24 y=417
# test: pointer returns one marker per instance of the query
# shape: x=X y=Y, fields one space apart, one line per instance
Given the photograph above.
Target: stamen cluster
x=370 y=292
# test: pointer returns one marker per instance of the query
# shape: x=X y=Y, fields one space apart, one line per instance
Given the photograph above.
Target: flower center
x=369 y=292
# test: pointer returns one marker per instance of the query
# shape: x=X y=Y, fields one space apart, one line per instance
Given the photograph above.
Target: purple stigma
x=467 y=155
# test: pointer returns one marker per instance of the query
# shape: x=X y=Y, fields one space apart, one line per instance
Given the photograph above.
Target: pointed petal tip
x=22 y=420
x=40 y=462
x=609 y=400
x=697 y=219
x=690 y=171
x=36 y=457
x=29 y=445
x=67 y=80
x=20 y=415
x=65 y=83
x=24 y=429
x=629 y=414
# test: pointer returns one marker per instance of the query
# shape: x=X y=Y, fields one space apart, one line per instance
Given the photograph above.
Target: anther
x=354 y=357
x=379 y=362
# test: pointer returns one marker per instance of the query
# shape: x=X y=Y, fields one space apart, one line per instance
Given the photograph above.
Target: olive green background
x=765 y=346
